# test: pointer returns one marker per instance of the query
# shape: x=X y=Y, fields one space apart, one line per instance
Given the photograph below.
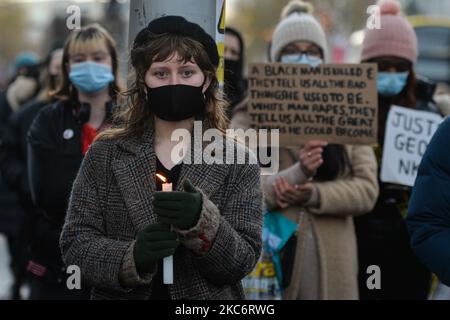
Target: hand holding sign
x=310 y=156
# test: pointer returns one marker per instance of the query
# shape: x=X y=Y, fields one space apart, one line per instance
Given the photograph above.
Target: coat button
x=68 y=134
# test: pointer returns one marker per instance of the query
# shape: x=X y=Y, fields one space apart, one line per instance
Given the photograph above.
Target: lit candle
x=167 y=261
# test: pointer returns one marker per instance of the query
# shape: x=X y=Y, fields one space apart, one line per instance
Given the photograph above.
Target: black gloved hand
x=153 y=243
x=179 y=208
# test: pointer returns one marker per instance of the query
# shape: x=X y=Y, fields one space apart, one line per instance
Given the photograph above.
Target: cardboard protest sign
x=336 y=103
x=408 y=133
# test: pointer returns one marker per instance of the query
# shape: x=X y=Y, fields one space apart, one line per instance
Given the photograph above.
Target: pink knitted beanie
x=395 y=38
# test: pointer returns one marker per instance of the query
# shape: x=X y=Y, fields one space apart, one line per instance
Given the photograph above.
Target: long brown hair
x=90 y=35
x=137 y=116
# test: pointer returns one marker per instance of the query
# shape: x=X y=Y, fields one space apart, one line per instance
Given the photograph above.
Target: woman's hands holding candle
x=153 y=243
x=179 y=208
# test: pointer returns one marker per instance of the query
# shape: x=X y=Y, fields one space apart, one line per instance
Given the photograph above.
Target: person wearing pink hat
x=394 y=49
x=320 y=186
x=383 y=239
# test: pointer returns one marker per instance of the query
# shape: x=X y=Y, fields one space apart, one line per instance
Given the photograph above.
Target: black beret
x=178 y=25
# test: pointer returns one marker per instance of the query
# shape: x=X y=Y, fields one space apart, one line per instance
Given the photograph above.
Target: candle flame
x=161 y=177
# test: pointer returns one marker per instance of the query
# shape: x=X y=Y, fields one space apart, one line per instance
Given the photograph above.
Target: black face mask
x=233 y=79
x=176 y=102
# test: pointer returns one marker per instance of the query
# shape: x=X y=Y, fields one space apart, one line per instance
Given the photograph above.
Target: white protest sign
x=407 y=135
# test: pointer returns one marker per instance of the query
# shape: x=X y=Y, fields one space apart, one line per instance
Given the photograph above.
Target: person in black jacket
x=235 y=85
x=382 y=236
x=21 y=88
x=13 y=157
x=57 y=141
x=14 y=142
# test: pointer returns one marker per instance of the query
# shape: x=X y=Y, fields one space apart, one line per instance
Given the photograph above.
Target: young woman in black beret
x=120 y=226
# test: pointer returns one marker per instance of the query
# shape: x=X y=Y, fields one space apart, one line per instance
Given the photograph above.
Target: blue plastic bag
x=264 y=282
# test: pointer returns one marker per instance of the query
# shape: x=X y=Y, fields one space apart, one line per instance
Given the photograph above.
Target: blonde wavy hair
x=90 y=36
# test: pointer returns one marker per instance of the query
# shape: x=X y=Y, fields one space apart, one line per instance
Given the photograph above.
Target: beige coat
x=331 y=221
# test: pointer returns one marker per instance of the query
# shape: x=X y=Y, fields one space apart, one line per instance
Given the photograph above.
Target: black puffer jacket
x=13 y=149
x=425 y=90
x=5 y=112
x=383 y=238
x=54 y=157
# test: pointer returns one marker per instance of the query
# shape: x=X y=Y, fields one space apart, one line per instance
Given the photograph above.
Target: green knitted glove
x=153 y=243
x=179 y=208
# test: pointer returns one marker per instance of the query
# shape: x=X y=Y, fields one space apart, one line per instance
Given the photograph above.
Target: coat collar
x=134 y=172
x=82 y=110
x=136 y=145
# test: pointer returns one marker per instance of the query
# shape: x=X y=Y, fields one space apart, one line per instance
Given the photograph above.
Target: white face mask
x=302 y=59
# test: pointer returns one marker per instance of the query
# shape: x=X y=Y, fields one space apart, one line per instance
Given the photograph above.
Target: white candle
x=168 y=270
x=166 y=187
x=167 y=261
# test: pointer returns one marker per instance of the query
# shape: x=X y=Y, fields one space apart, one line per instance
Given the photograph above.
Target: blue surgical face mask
x=391 y=83
x=90 y=76
x=302 y=59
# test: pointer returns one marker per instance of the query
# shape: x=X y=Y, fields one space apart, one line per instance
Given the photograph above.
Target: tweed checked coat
x=112 y=199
